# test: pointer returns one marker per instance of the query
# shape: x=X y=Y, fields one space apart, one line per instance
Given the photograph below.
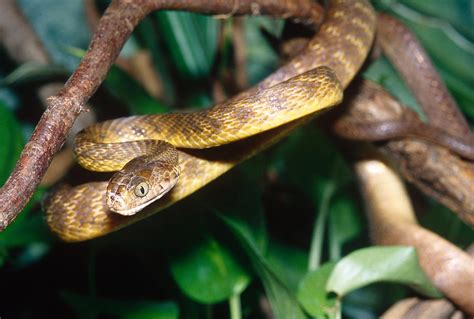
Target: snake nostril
x=113 y=201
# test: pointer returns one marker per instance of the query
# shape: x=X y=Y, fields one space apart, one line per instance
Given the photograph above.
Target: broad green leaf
x=380 y=264
x=207 y=271
x=206 y=263
x=191 y=39
x=11 y=136
x=87 y=307
x=132 y=93
x=312 y=293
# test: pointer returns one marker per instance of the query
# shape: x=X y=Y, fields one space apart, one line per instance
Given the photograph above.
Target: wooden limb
x=435 y=170
x=238 y=39
x=23 y=46
x=416 y=308
x=114 y=28
x=393 y=222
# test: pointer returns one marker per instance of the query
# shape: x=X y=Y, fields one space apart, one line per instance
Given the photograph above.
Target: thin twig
x=238 y=40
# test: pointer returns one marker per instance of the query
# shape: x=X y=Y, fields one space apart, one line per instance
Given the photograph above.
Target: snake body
x=211 y=142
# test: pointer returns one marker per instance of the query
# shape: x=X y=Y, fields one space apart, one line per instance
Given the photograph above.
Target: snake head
x=140 y=183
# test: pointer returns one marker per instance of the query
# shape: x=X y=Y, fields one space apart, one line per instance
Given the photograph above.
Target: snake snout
x=115 y=202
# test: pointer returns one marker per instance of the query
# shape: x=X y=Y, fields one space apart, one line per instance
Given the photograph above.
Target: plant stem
x=334 y=242
x=315 y=251
x=234 y=305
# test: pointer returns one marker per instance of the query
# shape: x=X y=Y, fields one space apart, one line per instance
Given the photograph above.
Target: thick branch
x=435 y=170
x=119 y=20
x=393 y=222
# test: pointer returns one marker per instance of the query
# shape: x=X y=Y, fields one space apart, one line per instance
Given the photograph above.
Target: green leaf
x=380 y=264
x=191 y=39
x=87 y=307
x=207 y=271
x=12 y=143
x=312 y=293
x=206 y=263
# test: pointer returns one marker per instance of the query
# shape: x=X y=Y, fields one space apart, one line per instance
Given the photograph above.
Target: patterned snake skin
x=211 y=142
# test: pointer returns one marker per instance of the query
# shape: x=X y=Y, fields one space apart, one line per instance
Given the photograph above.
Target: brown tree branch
x=116 y=25
x=416 y=308
x=435 y=170
x=238 y=40
x=393 y=222
x=23 y=46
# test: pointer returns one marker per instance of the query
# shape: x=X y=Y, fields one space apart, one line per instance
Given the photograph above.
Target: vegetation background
x=267 y=235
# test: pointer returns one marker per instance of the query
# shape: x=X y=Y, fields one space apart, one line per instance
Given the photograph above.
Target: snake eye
x=142 y=189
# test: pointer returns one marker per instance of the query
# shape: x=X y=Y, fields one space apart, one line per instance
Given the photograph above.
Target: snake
x=163 y=158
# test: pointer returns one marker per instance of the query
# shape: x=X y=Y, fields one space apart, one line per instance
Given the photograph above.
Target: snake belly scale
x=211 y=142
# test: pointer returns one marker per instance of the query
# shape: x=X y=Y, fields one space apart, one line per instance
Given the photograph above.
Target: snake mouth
x=135 y=209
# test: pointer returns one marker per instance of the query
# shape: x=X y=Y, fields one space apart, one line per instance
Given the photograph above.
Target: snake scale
x=212 y=141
